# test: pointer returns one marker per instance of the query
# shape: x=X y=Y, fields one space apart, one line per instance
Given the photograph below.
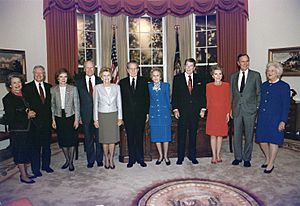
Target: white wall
x=22 y=27
x=273 y=24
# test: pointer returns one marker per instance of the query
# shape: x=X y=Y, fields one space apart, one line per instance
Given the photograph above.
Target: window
x=205 y=40
x=87 y=31
x=146 y=43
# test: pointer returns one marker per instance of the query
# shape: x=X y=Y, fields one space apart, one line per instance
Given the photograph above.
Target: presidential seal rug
x=195 y=192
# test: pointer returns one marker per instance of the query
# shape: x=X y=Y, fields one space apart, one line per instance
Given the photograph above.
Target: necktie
x=242 y=83
x=42 y=95
x=133 y=84
x=90 y=87
x=190 y=85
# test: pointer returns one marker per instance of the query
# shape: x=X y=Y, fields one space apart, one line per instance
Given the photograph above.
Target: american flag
x=177 y=63
x=114 y=61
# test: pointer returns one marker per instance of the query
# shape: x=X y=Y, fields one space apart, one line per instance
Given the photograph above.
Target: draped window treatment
x=60 y=16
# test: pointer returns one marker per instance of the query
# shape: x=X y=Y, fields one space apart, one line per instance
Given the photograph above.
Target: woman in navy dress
x=273 y=114
x=159 y=114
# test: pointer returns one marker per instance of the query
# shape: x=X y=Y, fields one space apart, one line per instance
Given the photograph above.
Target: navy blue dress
x=274 y=108
x=159 y=113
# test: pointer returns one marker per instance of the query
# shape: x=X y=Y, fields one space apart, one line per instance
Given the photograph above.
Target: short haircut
x=104 y=69
x=277 y=66
x=192 y=60
x=84 y=64
x=241 y=55
x=59 y=72
x=39 y=67
x=217 y=67
x=156 y=69
x=132 y=62
x=11 y=76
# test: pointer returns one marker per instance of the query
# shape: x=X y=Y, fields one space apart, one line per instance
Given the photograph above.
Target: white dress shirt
x=241 y=76
x=38 y=88
x=87 y=79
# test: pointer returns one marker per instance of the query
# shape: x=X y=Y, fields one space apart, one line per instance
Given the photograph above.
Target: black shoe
x=179 y=162
x=168 y=162
x=112 y=167
x=130 y=164
x=90 y=165
x=48 y=170
x=247 y=164
x=71 y=167
x=65 y=166
x=268 y=171
x=264 y=166
x=143 y=164
x=37 y=174
x=27 y=182
x=194 y=161
x=236 y=162
x=99 y=164
x=158 y=162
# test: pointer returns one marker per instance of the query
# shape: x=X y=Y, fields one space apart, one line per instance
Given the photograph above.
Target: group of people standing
x=101 y=107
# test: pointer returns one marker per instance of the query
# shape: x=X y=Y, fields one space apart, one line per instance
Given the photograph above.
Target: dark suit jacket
x=43 y=120
x=86 y=100
x=185 y=102
x=134 y=105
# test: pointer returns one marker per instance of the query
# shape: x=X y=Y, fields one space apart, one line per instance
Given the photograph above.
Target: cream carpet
x=122 y=186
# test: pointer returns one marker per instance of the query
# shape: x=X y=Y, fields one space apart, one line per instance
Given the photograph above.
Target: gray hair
x=39 y=67
x=278 y=67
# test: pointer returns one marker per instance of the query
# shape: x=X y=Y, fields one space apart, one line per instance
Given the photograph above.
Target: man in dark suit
x=39 y=98
x=245 y=98
x=135 y=105
x=85 y=86
x=188 y=102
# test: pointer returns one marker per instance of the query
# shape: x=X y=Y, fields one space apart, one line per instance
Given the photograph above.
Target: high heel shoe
x=158 y=162
x=26 y=182
x=264 y=166
x=106 y=167
x=219 y=160
x=168 y=162
x=71 y=167
x=268 y=171
x=65 y=166
x=112 y=167
x=214 y=161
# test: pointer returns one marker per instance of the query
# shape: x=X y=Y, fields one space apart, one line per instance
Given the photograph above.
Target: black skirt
x=66 y=133
x=20 y=147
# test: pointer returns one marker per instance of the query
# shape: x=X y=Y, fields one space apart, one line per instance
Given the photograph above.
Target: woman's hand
x=76 y=124
x=281 y=126
x=227 y=117
x=96 y=124
x=202 y=113
x=31 y=114
x=120 y=122
x=53 y=124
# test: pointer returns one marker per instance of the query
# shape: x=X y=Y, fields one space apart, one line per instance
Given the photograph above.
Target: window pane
x=90 y=38
x=212 y=54
x=80 y=39
x=200 y=23
x=80 y=22
x=211 y=22
x=145 y=40
x=91 y=54
x=200 y=55
x=146 y=56
x=157 y=24
x=146 y=73
x=134 y=25
x=200 y=39
x=145 y=24
x=81 y=56
x=158 y=56
x=134 y=55
x=90 y=22
x=134 y=41
x=211 y=38
x=157 y=40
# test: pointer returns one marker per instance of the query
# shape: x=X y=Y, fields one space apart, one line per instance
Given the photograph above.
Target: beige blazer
x=72 y=105
x=106 y=103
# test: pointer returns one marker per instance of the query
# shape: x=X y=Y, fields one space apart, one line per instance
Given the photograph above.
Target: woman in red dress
x=218 y=107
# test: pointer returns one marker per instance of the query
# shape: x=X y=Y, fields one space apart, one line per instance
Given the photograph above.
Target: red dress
x=218 y=106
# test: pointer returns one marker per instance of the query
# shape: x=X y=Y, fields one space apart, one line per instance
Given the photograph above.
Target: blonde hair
x=104 y=69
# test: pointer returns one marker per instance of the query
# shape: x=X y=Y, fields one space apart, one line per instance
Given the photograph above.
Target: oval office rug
x=196 y=192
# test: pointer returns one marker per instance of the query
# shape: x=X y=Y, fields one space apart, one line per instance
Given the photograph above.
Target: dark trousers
x=135 y=140
x=187 y=122
x=40 y=150
x=93 y=149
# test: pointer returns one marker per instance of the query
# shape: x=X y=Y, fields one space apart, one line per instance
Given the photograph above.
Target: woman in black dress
x=18 y=115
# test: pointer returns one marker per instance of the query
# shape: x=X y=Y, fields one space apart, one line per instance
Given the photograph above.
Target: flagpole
x=114 y=60
x=177 y=62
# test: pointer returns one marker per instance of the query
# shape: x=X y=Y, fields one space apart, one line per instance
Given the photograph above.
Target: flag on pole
x=177 y=63
x=114 y=60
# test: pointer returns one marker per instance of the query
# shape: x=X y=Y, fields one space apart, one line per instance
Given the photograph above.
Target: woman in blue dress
x=273 y=114
x=160 y=115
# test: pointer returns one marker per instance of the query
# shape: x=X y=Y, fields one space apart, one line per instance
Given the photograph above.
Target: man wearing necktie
x=245 y=97
x=85 y=86
x=39 y=98
x=188 y=102
x=135 y=106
